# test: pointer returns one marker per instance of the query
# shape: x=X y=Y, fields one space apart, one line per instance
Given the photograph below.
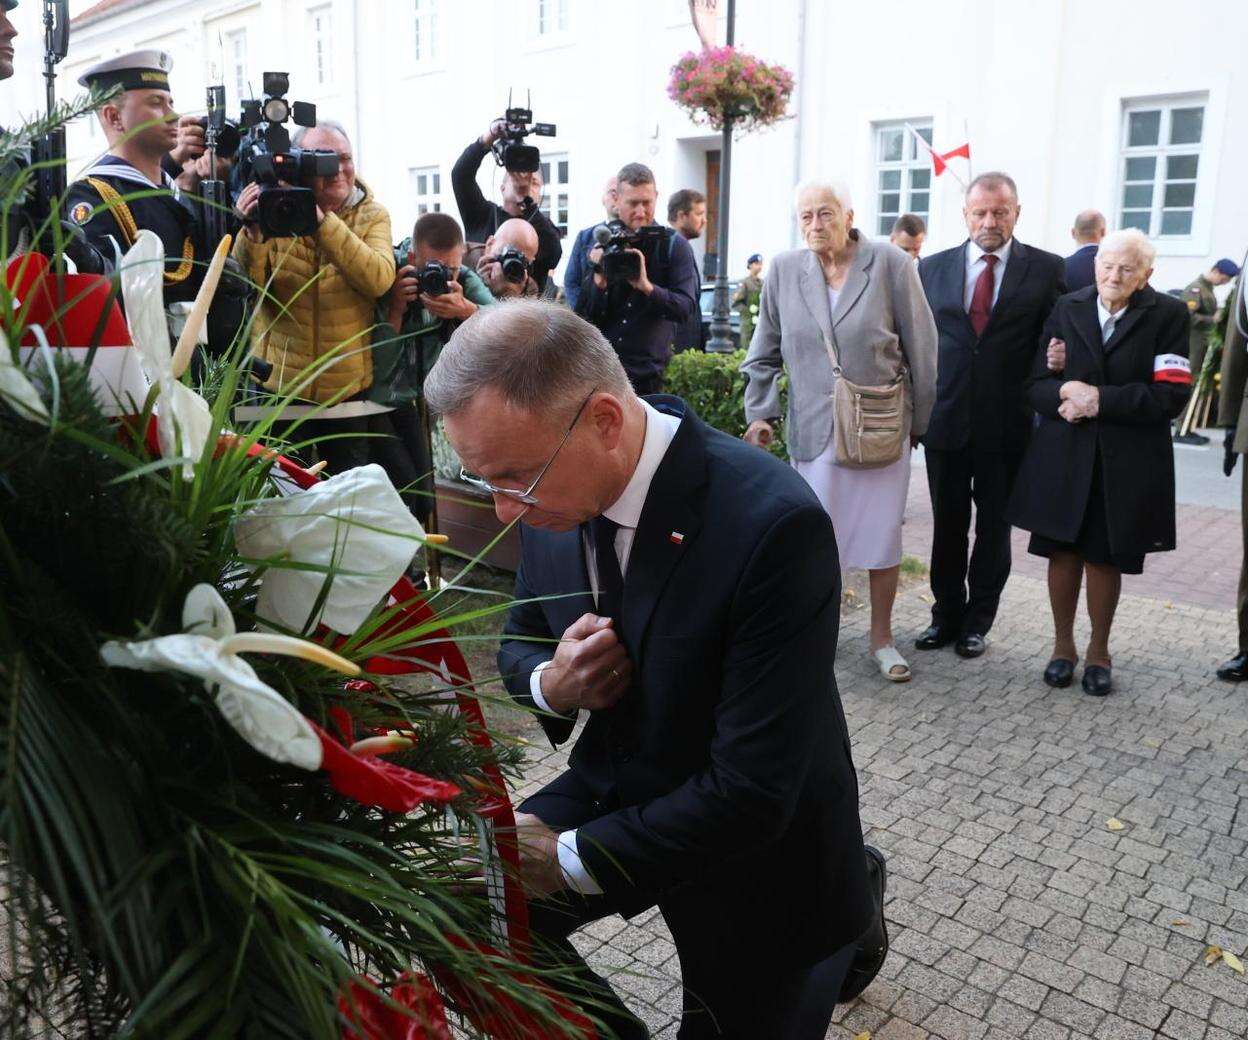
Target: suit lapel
x=1140 y=301
x=950 y=284
x=1089 y=327
x=856 y=282
x=815 y=292
x=1015 y=272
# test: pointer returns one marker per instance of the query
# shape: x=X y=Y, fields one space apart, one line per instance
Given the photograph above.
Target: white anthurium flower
x=210 y=649
x=17 y=389
x=354 y=523
x=183 y=418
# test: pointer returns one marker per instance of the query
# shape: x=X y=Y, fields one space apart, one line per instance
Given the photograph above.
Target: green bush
x=714 y=386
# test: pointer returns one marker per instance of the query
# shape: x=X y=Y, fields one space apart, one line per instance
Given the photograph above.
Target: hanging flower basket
x=722 y=83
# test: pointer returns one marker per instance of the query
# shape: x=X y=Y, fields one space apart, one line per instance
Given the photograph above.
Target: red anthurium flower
x=374 y=781
x=371 y=1018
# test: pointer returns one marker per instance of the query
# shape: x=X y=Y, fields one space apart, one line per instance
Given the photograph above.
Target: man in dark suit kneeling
x=679 y=591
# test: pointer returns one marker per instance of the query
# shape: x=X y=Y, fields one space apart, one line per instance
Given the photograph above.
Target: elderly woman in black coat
x=1096 y=488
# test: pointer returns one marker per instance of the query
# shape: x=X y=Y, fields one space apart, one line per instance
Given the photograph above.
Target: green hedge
x=714 y=386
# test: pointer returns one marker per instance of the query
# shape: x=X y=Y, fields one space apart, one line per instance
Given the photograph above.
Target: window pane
x=545 y=169
x=562 y=167
x=1180 y=195
x=1143 y=128
x=919 y=202
x=1142 y=169
x=1176 y=222
x=1186 y=125
x=920 y=179
x=890 y=179
x=422 y=184
x=1182 y=167
x=926 y=133
x=890 y=202
x=1135 y=219
x=437 y=207
x=1136 y=195
x=890 y=145
x=437 y=183
x=886 y=225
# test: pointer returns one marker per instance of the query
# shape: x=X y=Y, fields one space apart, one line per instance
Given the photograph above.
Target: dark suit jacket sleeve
x=527 y=642
x=676 y=301
x=1043 y=388
x=781 y=635
x=474 y=209
x=574 y=273
x=1152 y=402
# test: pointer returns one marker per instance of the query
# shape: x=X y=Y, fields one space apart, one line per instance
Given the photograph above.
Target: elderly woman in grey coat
x=845 y=294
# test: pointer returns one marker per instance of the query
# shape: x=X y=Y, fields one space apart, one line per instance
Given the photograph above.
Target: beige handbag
x=869 y=421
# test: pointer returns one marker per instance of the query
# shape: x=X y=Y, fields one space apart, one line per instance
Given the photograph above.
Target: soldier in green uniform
x=1233 y=415
x=1203 y=306
x=747 y=296
x=141 y=126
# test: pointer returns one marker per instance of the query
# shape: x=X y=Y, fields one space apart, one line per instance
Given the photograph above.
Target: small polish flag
x=676 y=538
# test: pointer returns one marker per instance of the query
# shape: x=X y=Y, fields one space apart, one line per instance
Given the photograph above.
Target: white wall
x=1038 y=83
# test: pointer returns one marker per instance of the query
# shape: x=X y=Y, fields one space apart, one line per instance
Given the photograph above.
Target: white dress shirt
x=625 y=511
x=1108 y=320
x=975 y=266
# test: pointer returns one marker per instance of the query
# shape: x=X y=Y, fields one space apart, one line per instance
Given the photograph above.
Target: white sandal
x=887 y=658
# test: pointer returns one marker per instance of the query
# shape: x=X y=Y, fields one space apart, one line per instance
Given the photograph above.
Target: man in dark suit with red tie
x=990 y=297
x=679 y=593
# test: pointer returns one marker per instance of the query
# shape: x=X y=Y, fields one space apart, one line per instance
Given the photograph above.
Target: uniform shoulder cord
x=130 y=230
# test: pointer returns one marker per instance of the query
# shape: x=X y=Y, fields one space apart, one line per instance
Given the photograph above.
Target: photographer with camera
x=642 y=283
x=521 y=189
x=505 y=261
x=323 y=286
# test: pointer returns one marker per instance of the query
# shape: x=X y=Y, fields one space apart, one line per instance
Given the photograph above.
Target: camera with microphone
x=616 y=238
x=509 y=149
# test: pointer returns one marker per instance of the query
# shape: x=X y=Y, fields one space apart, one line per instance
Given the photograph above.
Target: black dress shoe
x=872 y=947
x=933 y=638
x=1097 y=680
x=1060 y=672
x=970 y=645
x=1234 y=670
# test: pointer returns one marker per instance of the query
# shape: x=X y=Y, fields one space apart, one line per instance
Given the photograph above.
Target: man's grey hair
x=296 y=139
x=838 y=189
x=538 y=356
x=993 y=179
x=1129 y=240
x=1088 y=223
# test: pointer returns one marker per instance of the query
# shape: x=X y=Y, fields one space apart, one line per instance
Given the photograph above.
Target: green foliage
x=714 y=385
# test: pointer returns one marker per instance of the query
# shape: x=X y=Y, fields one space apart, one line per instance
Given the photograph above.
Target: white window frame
x=1161 y=151
x=430 y=200
x=549 y=23
x=914 y=159
x=237 y=75
x=556 y=190
x=321 y=43
x=425 y=49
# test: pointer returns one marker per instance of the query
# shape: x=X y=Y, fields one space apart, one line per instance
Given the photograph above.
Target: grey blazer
x=882 y=321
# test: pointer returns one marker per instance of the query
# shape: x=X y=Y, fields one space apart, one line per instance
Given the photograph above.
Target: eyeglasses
x=526 y=496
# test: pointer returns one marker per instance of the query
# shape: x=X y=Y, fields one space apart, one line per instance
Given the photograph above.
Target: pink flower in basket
x=723 y=83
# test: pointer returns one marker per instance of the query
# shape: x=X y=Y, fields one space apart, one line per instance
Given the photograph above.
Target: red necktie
x=981 y=298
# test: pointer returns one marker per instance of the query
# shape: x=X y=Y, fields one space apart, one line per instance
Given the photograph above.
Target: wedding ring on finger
x=614 y=674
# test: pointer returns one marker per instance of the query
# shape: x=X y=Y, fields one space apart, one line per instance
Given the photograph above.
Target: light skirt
x=866 y=506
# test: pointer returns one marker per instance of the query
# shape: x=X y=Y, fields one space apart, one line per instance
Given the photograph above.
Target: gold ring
x=614 y=674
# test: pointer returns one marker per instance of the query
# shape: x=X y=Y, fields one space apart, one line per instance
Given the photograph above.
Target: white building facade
x=1138 y=108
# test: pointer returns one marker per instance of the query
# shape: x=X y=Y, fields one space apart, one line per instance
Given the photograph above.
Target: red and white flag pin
x=676 y=538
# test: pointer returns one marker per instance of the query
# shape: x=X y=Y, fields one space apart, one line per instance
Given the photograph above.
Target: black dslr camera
x=509 y=151
x=433 y=278
x=514 y=263
x=616 y=238
x=287 y=207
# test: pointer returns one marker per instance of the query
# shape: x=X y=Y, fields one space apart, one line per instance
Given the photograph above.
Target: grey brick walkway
x=1013 y=911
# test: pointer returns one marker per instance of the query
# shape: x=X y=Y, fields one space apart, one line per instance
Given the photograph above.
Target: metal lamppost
x=721 y=340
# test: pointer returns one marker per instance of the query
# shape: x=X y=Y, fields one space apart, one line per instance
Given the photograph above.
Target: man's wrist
x=539 y=698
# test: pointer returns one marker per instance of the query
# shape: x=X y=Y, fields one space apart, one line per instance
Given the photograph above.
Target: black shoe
x=1060 y=673
x=933 y=638
x=970 y=645
x=1234 y=670
x=872 y=947
x=1190 y=438
x=1097 y=680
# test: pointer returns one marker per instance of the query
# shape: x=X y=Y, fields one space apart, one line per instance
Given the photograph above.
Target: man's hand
x=190 y=142
x=494 y=132
x=403 y=291
x=1055 y=356
x=594 y=256
x=1229 y=455
x=590 y=668
x=1079 y=401
x=640 y=281
x=760 y=432
x=539 y=857
x=915 y=440
x=451 y=304
x=245 y=206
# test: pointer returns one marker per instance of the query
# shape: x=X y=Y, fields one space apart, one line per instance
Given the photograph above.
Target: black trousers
x=340 y=443
x=967 y=597
x=731 y=991
x=400 y=449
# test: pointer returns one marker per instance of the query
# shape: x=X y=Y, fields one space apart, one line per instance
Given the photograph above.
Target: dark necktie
x=981 y=298
x=610 y=581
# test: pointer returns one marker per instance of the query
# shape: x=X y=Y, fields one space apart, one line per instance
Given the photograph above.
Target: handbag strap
x=834 y=355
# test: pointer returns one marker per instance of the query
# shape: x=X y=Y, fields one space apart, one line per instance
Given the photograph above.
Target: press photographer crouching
x=314 y=324
x=433 y=293
x=505 y=262
x=642 y=282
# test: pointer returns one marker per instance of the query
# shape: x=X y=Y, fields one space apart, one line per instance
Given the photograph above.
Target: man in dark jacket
x=990 y=297
x=682 y=589
x=641 y=314
x=1088 y=231
x=520 y=193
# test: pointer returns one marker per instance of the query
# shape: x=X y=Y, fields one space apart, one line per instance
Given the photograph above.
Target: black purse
x=873 y=945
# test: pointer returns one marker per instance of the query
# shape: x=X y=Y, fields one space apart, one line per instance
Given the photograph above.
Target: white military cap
x=136 y=70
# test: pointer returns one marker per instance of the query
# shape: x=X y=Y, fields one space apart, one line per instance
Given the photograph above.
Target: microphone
x=602 y=235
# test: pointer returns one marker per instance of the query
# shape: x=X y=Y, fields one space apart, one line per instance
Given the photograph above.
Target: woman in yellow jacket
x=349 y=264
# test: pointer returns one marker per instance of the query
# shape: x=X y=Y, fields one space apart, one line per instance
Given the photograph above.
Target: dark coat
x=1081 y=267
x=1131 y=433
x=979 y=382
x=723 y=781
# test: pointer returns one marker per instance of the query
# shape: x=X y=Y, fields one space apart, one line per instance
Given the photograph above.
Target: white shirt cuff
x=535 y=691
x=574 y=872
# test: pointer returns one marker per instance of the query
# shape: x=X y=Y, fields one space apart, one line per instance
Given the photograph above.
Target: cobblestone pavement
x=1013 y=910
